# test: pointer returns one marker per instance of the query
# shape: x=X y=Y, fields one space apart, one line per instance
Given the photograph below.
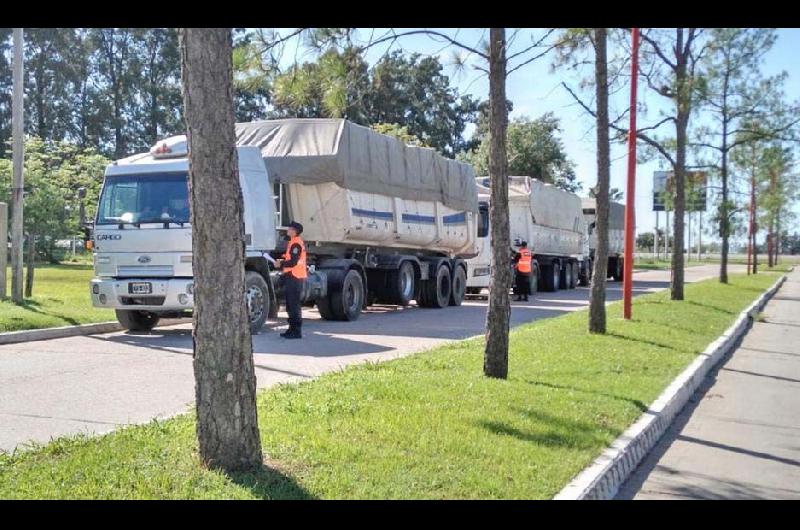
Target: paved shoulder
x=739 y=438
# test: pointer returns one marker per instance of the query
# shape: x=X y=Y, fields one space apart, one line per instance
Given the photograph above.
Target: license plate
x=140 y=288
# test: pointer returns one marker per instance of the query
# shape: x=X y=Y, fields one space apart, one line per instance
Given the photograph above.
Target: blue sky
x=535 y=90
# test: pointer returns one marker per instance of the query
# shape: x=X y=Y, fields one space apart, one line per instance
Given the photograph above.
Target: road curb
x=30 y=335
x=602 y=479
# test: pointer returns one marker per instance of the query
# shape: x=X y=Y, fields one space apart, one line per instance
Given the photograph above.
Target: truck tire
x=459 y=286
x=436 y=291
x=575 y=273
x=584 y=279
x=534 y=279
x=554 y=277
x=401 y=284
x=137 y=320
x=256 y=294
x=344 y=303
x=566 y=276
x=617 y=271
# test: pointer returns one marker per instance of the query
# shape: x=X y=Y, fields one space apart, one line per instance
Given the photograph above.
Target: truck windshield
x=150 y=198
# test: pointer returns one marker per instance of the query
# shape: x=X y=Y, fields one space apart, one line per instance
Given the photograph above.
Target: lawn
x=425 y=426
x=60 y=298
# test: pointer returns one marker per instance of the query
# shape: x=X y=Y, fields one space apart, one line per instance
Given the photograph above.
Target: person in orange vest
x=293 y=266
x=523 y=266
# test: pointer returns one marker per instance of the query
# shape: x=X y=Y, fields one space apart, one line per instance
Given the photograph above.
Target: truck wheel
x=566 y=276
x=534 y=279
x=555 y=275
x=137 y=320
x=436 y=292
x=401 y=284
x=256 y=294
x=584 y=279
x=459 y=286
x=618 y=268
x=344 y=303
x=575 y=273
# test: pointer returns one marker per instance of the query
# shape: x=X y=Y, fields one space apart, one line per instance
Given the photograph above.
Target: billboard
x=664 y=190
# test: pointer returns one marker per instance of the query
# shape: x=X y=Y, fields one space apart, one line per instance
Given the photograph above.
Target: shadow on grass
x=712 y=307
x=643 y=341
x=560 y=432
x=269 y=482
x=31 y=305
x=635 y=402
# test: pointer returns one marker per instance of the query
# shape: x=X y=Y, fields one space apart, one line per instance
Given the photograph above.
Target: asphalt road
x=93 y=384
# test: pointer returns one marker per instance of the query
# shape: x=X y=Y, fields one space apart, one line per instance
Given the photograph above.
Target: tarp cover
x=312 y=151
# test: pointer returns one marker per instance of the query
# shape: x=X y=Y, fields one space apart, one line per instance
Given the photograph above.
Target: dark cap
x=524 y=244
x=297 y=226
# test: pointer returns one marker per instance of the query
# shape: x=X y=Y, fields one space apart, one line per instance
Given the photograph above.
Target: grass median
x=60 y=298
x=425 y=426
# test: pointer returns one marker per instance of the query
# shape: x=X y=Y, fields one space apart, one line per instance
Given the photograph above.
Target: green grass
x=60 y=298
x=661 y=264
x=426 y=426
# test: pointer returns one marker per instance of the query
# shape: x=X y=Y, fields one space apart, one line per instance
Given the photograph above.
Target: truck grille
x=145 y=271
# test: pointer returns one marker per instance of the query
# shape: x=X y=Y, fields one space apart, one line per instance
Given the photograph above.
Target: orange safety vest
x=299 y=270
x=525 y=260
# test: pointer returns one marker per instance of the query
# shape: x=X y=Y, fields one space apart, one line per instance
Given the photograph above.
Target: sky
x=536 y=89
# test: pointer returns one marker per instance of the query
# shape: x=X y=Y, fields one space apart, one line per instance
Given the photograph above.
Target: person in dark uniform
x=293 y=266
x=523 y=267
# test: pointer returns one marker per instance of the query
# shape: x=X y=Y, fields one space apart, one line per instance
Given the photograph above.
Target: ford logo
x=144 y=259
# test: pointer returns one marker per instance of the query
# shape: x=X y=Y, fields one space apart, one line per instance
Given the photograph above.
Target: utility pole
x=656 y=249
x=630 y=196
x=18 y=153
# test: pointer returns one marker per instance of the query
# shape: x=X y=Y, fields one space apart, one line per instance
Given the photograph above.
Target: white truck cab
x=142 y=233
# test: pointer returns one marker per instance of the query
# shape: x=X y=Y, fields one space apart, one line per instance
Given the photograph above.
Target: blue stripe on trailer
x=414 y=218
x=455 y=219
x=372 y=213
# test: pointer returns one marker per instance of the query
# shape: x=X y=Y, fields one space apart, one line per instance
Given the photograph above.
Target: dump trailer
x=551 y=221
x=616 y=235
x=383 y=223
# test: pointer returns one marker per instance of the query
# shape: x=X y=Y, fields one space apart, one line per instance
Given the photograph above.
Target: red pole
x=750 y=237
x=630 y=196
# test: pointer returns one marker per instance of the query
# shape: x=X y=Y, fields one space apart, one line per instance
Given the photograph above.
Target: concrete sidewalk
x=739 y=436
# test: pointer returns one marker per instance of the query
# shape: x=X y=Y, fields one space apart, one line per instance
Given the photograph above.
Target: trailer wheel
x=256 y=294
x=401 y=284
x=344 y=303
x=436 y=292
x=137 y=320
x=566 y=275
x=575 y=273
x=459 y=287
x=585 y=278
x=618 y=268
x=553 y=276
x=534 y=279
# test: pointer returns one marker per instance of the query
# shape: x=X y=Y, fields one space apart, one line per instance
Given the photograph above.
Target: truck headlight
x=183 y=299
x=482 y=271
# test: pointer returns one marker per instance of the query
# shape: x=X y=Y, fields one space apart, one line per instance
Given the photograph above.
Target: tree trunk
x=225 y=383
x=597 y=303
x=498 y=316
x=30 y=258
x=682 y=123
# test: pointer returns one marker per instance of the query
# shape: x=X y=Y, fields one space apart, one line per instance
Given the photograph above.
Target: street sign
x=696 y=191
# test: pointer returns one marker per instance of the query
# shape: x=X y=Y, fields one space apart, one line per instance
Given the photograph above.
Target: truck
x=616 y=235
x=384 y=223
x=551 y=221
